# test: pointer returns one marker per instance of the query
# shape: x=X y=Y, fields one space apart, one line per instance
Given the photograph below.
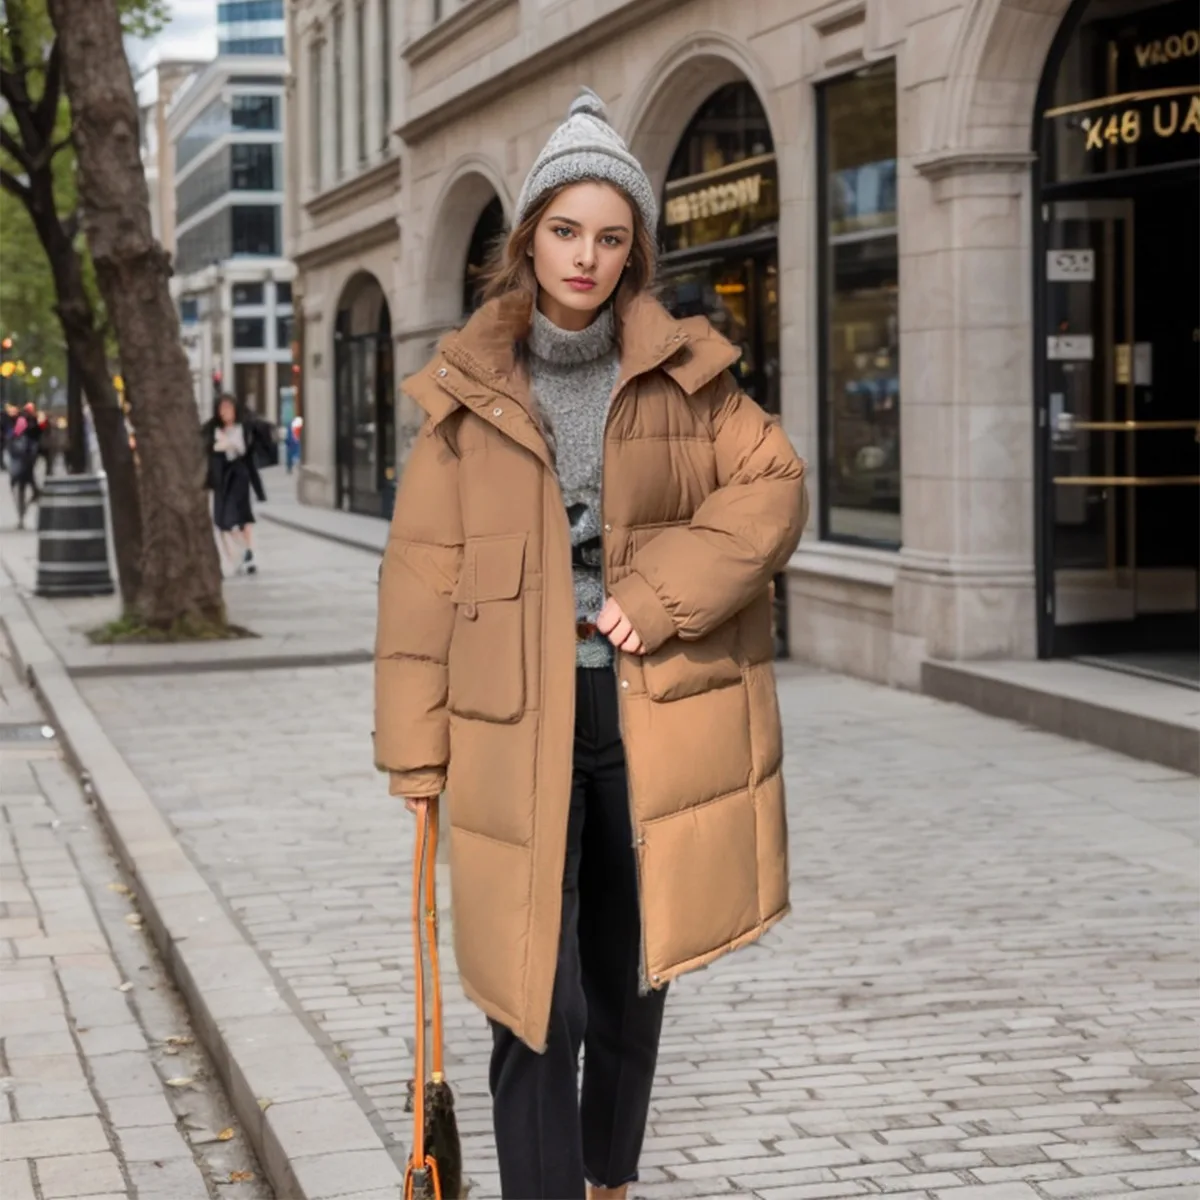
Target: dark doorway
x=1118 y=341
x=365 y=402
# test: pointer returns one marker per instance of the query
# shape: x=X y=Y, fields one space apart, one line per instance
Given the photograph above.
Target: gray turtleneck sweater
x=573 y=375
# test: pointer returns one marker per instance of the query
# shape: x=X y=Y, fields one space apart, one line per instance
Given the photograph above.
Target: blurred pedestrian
x=293 y=443
x=24 y=445
x=232 y=473
x=8 y=418
x=528 y=654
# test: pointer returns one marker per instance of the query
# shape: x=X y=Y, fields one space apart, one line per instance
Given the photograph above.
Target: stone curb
x=340 y=539
x=314 y=1141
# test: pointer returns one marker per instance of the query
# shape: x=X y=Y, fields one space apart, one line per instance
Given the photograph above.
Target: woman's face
x=226 y=413
x=580 y=248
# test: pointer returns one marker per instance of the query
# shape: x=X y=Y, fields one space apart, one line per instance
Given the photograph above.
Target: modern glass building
x=250 y=27
x=232 y=281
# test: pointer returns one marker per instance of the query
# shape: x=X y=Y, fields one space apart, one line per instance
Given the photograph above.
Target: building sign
x=1162 y=51
x=1070 y=266
x=716 y=199
x=1127 y=96
x=1135 y=118
x=729 y=202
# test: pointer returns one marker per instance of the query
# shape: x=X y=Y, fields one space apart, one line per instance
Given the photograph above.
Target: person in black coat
x=233 y=441
x=23 y=448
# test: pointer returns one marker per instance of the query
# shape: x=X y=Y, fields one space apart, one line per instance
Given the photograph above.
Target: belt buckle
x=585 y=631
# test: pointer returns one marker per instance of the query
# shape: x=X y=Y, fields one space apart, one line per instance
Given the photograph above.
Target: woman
x=232 y=472
x=24 y=450
x=575 y=594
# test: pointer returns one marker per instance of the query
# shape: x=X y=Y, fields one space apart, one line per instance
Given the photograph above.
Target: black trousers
x=552 y=1135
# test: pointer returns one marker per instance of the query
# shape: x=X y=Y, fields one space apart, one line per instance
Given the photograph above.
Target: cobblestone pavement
x=91 y=1030
x=987 y=989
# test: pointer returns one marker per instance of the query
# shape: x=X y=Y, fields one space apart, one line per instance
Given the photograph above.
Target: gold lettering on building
x=715 y=200
x=1127 y=127
x=1191 y=123
x=1164 y=50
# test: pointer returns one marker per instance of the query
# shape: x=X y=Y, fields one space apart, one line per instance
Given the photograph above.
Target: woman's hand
x=415 y=804
x=618 y=628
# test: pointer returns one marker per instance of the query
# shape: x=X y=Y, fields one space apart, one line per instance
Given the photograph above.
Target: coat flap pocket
x=683 y=669
x=492 y=569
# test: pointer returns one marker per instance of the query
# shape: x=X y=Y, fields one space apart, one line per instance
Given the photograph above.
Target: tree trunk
x=85 y=342
x=85 y=346
x=181 y=575
x=76 y=442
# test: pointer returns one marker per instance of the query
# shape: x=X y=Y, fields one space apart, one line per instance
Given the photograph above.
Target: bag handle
x=431 y=940
x=421 y=1166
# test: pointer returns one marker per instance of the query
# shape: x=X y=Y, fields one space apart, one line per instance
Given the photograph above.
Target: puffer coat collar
x=480 y=363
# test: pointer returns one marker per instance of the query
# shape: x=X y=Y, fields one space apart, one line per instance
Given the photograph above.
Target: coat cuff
x=416 y=784
x=646 y=612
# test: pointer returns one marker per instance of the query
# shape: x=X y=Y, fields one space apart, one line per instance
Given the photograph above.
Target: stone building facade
x=344 y=210
x=868 y=195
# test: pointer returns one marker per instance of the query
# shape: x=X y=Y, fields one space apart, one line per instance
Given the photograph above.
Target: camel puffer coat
x=703 y=502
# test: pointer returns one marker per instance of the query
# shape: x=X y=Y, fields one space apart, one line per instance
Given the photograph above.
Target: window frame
x=315 y=140
x=824 y=276
x=339 y=99
x=385 y=75
x=360 y=81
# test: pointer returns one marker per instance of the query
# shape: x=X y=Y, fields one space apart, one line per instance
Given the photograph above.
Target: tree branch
x=46 y=114
x=12 y=88
x=12 y=185
x=61 y=144
x=14 y=149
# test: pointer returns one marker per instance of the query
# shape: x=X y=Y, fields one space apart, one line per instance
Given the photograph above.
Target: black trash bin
x=72 y=539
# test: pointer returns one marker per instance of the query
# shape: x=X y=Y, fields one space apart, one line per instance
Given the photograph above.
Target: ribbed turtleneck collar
x=554 y=345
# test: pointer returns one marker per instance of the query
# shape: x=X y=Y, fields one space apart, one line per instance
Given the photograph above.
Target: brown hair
x=510 y=268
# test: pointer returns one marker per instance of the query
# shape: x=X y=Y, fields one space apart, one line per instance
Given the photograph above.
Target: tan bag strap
x=418 y=1142
x=425 y=899
x=431 y=940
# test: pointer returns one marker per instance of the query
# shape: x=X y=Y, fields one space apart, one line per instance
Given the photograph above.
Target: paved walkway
x=987 y=989
x=90 y=1027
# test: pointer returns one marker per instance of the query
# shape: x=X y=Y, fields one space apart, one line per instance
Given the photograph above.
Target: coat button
x=497 y=411
x=608 y=529
x=655 y=978
x=624 y=683
x=442 y=372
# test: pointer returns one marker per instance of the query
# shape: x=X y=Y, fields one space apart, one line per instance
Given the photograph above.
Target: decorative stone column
x=965 y=584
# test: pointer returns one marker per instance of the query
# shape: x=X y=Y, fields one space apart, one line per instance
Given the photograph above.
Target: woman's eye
x=562 y=229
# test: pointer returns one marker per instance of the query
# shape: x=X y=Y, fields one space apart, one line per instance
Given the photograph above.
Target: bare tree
x=181 y=575
x=32 y=139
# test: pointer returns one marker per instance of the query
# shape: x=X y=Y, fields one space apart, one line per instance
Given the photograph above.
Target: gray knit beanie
x=586 y=146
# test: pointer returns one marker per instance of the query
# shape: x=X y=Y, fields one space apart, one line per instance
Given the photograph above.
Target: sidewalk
x=91 y=1028
x=987 y=989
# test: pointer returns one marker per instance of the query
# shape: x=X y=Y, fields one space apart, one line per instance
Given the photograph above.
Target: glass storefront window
x=722 y=181
x=860 y=379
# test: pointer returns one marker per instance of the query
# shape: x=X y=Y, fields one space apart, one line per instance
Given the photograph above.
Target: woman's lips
x=581 y=285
